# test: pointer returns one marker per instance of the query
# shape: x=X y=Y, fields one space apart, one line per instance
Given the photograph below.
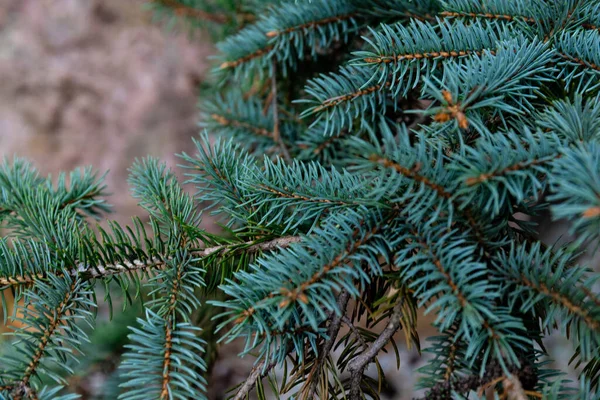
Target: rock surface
x=92 y=82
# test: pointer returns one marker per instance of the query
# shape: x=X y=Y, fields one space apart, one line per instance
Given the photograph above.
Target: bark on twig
x=258 y=372
x=102 y=271
x=327 y=345
x=358 y=365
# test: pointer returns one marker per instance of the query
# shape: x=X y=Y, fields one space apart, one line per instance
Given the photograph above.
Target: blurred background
x=97 y=82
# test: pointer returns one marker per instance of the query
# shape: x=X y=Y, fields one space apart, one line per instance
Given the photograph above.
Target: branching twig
x=327 y=345
x=358 y=365
x=101 y=271
x=258 y=372
x=355 y=332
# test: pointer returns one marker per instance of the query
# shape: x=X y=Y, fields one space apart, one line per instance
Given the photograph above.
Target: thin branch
x=495 y=375
x=355 y=332
x=102 y=271
x=166 y=378
x=357 y=366
x=242 y=60
x=258 y=372
x=276 y=132
x=327 y=345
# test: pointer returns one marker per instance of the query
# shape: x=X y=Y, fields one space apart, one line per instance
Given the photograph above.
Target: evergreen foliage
x=380 y=160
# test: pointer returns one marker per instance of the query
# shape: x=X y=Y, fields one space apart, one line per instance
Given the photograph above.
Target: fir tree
x=373 y=158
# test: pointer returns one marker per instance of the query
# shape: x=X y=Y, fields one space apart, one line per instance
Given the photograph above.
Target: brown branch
x=413 y=173
x=357 y=365
x=513 y=390
x=579 y=61
x=102 y=271
x=526 y=375
x=246 y=58
x=311 y=25
x=515 y=167
x=166 y=378
x=24 y=390
x=450 y=363
x=183 y=10
x=355 y=332
x=325 y=347
x=258 y=372
x=225 y=121
x=53 y=324
x=591 y=27
x=558 y=298
x=330 y=141
x=428 y=55
x=334 y=101
x=487 y=16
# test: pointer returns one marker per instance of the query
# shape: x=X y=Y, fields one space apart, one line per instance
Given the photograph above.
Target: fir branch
x=547 y=277
x=337 y=100
x=50 y=335
x=310 y=386
x=87 y=272
x=575 y=181
x=53 y=323
x=244 y=59
x=412 y=173
x=580 y=61
x=505 y=166
x=170 y=320
x=422 y=56
x=226 y=121
x=358 y=364
x=312 y=24
x=443 y=193
x=505 y=17
x=519 y=166
x=298 y=292
x=563 y=300
x=259 y=371
x=581 y=64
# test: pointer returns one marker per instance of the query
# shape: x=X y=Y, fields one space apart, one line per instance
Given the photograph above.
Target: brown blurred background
x=95 y=82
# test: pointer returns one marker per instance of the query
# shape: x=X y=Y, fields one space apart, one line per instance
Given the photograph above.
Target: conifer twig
x=102 y=271
x=258 y=372
x=355 y=332
x=327 y=345
x=358 y=365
